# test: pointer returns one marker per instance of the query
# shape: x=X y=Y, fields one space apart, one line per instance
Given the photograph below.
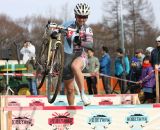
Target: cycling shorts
x=68 y=59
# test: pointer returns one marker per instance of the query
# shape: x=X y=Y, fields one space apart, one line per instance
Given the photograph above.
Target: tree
x=111 y=18
x=137 y=21
x=10 y=32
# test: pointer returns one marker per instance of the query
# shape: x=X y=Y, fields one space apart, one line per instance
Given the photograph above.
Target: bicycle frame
x=50 y=64
x=51 y=50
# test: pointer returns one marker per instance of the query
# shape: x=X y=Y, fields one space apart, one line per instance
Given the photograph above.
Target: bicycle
x=49 y=64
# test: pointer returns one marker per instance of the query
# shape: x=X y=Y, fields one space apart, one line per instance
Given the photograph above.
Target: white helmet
x=158 y=38
x=149 y=49
x=82 y=9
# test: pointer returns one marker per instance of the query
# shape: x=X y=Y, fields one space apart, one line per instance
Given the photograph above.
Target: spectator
x=134 y=75
x=147 y=80
x=28 y=52
x=93 y=68
x=122 y=68
x=139 y=54
x=155 y=55
x=149 y=51
x=105 y=67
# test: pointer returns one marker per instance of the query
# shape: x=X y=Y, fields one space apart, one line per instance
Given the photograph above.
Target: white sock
x=82 y=91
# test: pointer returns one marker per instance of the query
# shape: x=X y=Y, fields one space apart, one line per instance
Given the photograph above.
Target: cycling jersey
x=86 y=35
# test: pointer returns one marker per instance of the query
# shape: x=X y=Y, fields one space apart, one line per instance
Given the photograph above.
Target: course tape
x=18 y=74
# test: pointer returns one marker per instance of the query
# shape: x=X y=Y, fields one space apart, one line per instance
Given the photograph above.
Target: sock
x=82 y=91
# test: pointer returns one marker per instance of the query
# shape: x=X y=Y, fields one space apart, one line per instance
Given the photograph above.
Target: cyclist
x=75 y=57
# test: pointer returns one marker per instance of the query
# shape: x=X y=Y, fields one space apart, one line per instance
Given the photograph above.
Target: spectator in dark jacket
x=105 y=67
x=155 y=55
x=134 y=75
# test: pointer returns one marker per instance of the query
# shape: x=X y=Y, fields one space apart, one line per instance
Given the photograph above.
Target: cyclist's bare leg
x=69 y=85
x=77 y=66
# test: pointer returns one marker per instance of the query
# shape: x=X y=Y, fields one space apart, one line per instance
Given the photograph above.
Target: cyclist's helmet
x=158 y=39
x=82 y=9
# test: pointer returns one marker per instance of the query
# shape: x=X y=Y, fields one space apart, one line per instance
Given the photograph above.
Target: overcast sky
x=21 y=8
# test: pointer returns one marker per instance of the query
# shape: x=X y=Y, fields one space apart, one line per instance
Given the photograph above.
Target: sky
x=20 y=8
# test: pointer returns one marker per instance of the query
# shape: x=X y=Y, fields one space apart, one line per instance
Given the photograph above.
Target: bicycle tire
x=41 y=71
x=54 y=77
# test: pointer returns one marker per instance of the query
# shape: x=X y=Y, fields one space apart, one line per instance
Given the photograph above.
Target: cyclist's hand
x=54 y=35
x=77 y=40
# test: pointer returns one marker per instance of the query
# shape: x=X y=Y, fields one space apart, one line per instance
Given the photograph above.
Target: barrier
x=28 y=101
x=10 y=103
x=130 y=117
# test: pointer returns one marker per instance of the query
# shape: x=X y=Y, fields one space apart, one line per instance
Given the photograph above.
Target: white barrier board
x=25 y=101
x=125 y=117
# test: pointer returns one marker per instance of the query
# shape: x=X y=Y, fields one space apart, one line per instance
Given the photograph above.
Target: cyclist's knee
x=70 y=91
x=76 y=66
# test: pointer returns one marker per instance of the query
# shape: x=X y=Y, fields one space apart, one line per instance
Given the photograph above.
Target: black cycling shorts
x=67 y=71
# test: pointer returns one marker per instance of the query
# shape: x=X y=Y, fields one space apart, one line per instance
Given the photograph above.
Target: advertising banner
x=126 y=117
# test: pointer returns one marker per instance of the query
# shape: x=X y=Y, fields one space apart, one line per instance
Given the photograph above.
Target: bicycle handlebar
x=54 y=26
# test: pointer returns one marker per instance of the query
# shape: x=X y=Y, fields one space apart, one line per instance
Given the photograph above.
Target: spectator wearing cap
x=93 y=69
x=105 y=67
x=148 y=51
x=139 y=54
x=122 y=68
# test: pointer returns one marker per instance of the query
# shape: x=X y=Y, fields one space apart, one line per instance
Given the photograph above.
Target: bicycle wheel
x=41 y=63
x=54 y=77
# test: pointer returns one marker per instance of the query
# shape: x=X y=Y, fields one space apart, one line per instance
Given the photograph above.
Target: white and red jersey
x=84 y=32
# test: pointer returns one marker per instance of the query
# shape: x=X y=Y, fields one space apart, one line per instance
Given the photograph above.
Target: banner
x=126 y=117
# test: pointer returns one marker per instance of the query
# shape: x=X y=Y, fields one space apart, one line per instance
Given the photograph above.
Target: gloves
x=77 y=40
x=54 y=35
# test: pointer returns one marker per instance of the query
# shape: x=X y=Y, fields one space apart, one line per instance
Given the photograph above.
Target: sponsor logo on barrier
x=22 y=122
x=13 y=104
x=126 y=99
x=106 y=102
x=36 y=103
x=61 y=121
x=99 y=121
x=136 y=120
